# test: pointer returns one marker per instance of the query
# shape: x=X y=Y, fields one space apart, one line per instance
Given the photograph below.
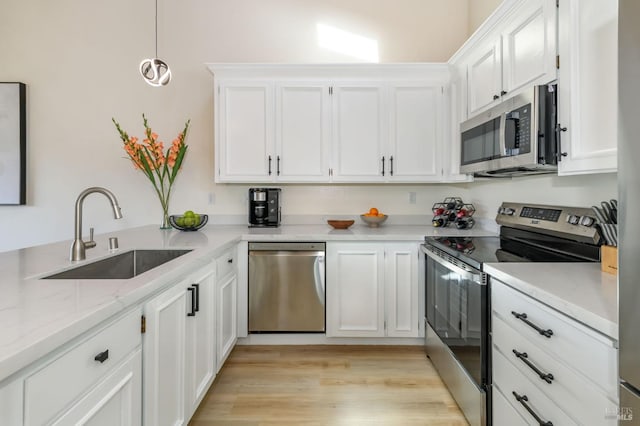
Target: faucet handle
x=90 y=243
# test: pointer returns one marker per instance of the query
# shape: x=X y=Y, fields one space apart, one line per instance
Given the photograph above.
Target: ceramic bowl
x=340 y=224
x=183 y=224
x=374 y=221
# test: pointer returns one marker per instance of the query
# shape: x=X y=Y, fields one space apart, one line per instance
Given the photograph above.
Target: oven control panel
x=562 y=221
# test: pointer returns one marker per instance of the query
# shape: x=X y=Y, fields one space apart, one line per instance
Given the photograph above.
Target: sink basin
x=120 y=267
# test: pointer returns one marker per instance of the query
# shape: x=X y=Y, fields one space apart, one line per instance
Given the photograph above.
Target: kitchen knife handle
x=548 y=377
x=523 y=317
x=522 y=399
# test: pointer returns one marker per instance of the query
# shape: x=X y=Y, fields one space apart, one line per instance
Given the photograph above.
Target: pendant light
x=155 y=71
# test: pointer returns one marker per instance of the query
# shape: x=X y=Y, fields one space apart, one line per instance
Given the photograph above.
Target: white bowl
x=374 y=221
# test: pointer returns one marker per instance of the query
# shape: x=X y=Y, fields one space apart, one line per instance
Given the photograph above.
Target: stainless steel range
x=457 y=323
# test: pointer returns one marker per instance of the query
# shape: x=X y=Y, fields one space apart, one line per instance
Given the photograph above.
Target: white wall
x=479 y=10
x=79 y=60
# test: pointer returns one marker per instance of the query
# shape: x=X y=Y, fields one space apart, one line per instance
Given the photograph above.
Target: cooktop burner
x=475 y=250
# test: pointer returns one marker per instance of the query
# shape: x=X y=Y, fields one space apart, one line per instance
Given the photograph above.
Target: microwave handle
x=503 y=129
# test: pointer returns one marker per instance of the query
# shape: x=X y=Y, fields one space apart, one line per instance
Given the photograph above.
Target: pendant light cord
x=156 y=28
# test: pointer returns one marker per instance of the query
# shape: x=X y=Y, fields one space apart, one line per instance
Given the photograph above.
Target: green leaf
x=176 y=166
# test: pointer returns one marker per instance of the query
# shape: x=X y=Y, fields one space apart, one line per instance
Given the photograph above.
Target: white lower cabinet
x=226 y=307
x=548 y=365
x=372 y=289
x=178 y=360
x=11 y=402
x=96 y=381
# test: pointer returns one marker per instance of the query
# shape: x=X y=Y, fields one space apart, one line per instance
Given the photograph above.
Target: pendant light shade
x=155 y=71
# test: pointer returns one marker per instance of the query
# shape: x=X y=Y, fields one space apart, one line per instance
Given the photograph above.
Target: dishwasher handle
x=288 y=253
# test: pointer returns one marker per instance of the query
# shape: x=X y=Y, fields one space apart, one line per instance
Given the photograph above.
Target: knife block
x=609 y=259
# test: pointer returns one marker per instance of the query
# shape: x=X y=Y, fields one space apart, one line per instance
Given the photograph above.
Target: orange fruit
x=373 y=211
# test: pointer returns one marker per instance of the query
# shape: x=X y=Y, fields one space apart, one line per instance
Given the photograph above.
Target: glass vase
x=165 y=216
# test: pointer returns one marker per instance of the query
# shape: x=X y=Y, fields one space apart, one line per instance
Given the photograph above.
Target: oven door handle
x=476 y=278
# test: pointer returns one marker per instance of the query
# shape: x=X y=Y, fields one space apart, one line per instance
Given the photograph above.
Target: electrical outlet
x=412 y=197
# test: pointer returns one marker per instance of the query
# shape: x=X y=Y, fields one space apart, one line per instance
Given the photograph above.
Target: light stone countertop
x=37 y=316
x=579 y=290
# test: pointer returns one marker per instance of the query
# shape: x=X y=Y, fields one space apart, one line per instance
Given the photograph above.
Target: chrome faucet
x=78 y=247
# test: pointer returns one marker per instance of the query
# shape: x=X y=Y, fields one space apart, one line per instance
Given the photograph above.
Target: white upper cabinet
x=485 y=77
x=244 y=128
x=330 y=123
x=302 y=132
x=415 y=129
x=358 y=132
x=588 y=86
x=529 y=46
x=517 y=51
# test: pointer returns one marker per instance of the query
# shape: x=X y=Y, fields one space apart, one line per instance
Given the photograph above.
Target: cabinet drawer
x=59 y=383
x=226 y=263
x=569 y=341
x=508 y=379
x=577 y=396
x=503 y=414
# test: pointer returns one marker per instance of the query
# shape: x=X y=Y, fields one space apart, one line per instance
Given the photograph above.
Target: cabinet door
x=484 y=74
x=355 y=290
x=164 y=357
x=529 y=46
x=12 y=403
x=115 y=401
x=245 y=134
x=401 y=284
x=227 y=323
x=415 y=129
x=588 y=85
x=358 y=125
x=303 y=132
x=200 y=342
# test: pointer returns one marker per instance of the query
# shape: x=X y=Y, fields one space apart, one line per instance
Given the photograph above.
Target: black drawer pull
x=230 y=260
x=192 y=290
x=523 y=317
x=197 y=287
x=102 y=356
x=523 y=400
x=523 y=357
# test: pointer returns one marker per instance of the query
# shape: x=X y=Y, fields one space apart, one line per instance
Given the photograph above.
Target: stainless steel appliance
x=629 y=203
x=264 y=207
x=457 y=323
x=517 y=137
x=286 y=287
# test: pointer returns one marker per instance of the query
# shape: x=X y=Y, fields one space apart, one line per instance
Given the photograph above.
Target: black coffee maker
x=264 y=207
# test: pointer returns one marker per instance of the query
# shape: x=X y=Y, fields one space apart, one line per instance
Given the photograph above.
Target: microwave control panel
x=518 y=131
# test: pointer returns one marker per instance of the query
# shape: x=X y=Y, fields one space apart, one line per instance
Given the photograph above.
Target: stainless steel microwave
x=517 y=137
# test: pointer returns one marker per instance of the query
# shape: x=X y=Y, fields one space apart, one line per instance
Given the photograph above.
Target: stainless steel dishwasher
x=286 y=287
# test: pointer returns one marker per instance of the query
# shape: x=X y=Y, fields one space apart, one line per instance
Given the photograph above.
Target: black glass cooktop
x=514 y=246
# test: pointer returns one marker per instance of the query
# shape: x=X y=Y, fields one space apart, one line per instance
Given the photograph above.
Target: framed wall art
x=13 y=144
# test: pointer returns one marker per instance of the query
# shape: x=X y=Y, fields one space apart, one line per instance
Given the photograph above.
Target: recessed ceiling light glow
x=347 y=43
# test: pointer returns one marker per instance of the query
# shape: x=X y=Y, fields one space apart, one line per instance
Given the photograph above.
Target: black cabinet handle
x=502 y=93
x=496 y=97
x=523 y=400
x=391 y=161
x=197 y=287
x=382 y=166
x=523 y=317
x=559 y=130
x=548 y=377
x=102 y=356
x=230 y=260
x=269 y=165
x=278 y=165
x=192 y=290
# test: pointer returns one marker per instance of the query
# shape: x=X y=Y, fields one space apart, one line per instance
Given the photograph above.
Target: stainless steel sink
x=120 y=267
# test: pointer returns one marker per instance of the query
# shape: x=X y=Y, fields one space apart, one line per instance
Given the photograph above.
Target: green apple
x=179 y=221
x=189 y=213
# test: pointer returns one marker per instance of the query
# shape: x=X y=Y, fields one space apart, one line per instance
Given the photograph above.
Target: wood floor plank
x=328 y=385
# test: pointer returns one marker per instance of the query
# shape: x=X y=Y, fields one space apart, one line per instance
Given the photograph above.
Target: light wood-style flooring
x=328 y=385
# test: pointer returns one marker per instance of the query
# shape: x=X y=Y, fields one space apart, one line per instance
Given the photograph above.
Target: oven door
x=457 y=311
